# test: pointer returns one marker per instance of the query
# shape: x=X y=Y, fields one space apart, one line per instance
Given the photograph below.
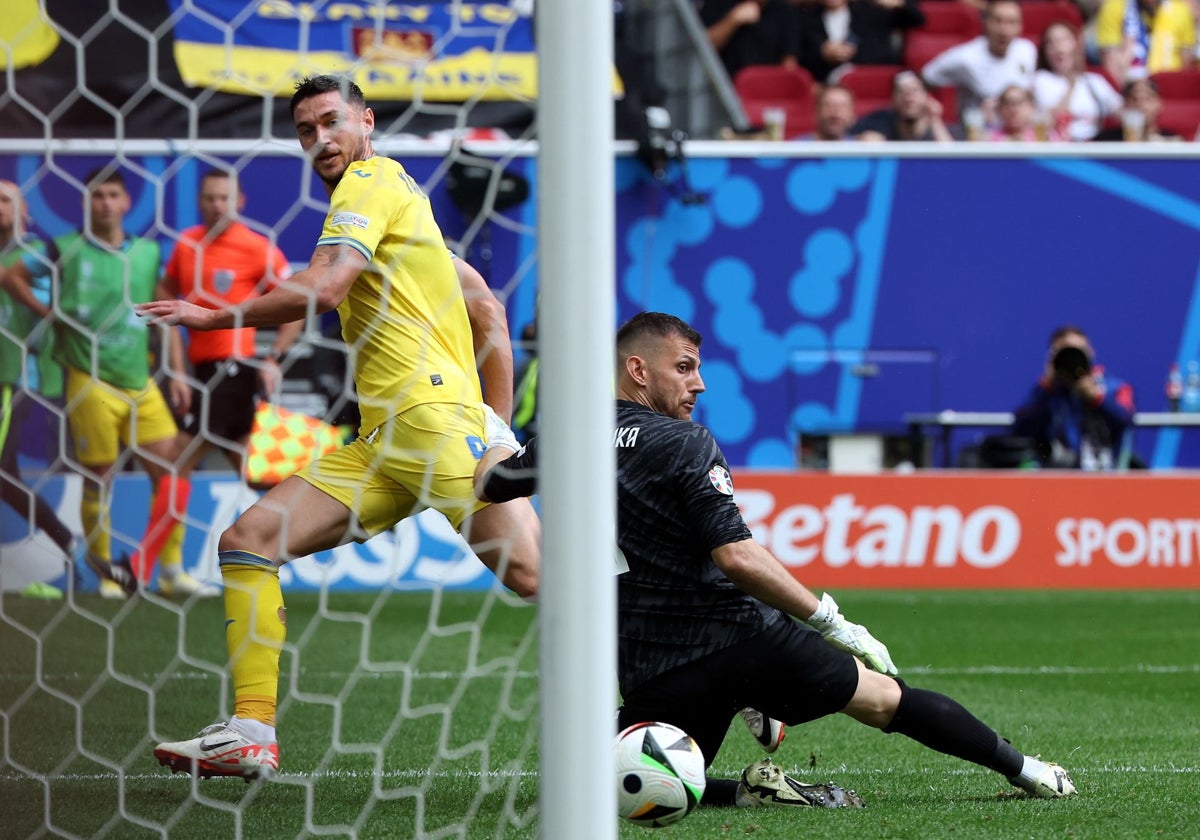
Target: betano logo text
x=844 y=532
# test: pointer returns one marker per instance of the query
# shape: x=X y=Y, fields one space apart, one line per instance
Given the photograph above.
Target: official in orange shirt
x=217 y=264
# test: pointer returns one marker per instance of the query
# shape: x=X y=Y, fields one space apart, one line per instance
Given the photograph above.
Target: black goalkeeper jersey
x=674 y=506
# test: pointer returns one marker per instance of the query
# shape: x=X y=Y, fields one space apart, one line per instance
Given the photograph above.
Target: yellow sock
x=94 y=519
x=255 y=629
x=171 y=556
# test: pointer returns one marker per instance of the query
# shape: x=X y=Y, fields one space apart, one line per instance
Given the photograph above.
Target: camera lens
x=1071 y=364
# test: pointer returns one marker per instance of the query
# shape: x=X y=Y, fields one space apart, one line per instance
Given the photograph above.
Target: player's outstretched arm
x=489 y=333
x=756 y=572
x=322 y=286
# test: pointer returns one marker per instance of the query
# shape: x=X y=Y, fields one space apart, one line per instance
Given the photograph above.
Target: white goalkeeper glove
x=497 y=432
x=852 y=638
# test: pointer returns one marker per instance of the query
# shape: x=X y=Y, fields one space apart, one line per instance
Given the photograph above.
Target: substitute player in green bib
x=382 y=263
x=24 y=344
x=111 y=400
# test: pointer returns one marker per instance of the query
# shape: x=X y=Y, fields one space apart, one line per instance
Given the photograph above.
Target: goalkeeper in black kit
x=705 y=614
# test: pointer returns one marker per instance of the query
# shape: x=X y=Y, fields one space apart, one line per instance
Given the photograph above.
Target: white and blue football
x=660 y=774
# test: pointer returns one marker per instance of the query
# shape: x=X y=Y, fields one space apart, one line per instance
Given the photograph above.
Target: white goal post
x=575 y=246
x=576 y=611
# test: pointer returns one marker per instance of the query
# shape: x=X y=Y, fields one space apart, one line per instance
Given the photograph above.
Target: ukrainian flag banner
x=26 y=36
x=438 y=51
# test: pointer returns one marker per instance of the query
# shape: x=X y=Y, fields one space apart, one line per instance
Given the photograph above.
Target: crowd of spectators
x=1088 y=75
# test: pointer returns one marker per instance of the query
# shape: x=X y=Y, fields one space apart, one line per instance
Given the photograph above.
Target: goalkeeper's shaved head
x=637 y=334
x=658 y=364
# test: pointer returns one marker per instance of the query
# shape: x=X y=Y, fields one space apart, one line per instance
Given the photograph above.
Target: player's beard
x=361 y=152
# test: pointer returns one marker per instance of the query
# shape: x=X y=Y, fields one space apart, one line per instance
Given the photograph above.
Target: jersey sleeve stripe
x=345 y=240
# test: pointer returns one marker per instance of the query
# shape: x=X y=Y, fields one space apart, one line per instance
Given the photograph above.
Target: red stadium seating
x=1180 y=92
x=772 y=86
x=952 y=17
x=1036 y=15
x=946 y=24
x=871 y=86
x=1180 y=84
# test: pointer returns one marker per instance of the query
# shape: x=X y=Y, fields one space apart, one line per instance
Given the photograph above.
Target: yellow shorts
x=423 y=458
x=102 y=416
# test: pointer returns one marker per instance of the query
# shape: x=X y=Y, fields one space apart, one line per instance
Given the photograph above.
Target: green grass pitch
x=403 y=720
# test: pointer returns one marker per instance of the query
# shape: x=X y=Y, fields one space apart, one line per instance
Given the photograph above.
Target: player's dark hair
x=828 y=89
x=107 y=174
x=221 y=173
x=991 y=4
x=311 y=86
x=656 y=324
x=1067 y=329
x=1141 y=81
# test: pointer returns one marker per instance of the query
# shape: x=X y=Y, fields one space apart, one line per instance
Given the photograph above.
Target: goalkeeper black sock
x=720 y=793
x=942 y=724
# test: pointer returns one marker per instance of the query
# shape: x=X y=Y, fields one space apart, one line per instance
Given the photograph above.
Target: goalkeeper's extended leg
x=943 y=724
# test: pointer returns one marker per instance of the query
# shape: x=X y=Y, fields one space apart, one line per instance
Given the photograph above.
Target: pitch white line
x=925 y=670
x=1052 y=670
x=303 y=778
x=340 y=675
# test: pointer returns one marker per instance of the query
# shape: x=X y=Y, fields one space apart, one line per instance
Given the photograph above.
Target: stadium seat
x=1036 y=15
x=1180 y=92
x=871 y=86
x=772 y=86
x=949 y=17
x=1179 y=84
x=946 y=25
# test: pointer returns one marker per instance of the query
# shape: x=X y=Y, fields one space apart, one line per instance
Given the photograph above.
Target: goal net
x=408 y=703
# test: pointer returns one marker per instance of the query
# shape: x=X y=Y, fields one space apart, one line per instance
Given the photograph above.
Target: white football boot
x=764 y=783
x=1043 y=779
x=766 y=730
x=182 y=585
x=220 y=751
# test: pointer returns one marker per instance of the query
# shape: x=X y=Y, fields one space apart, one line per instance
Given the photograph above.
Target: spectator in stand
x=982 y=67
x=835 y=115
x=1076 y=414
x=751 y=32
x=836 y=34
x=1163 y=37
x=1141 y=97
x=914 y=115
x=1076 y=100
x=1020 y=121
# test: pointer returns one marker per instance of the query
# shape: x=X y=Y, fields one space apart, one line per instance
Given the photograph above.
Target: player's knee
x=523 y=583
x=876 y=699
x=242 y=536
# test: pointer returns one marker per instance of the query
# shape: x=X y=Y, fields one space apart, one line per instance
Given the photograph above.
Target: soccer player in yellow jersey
x=382 y=263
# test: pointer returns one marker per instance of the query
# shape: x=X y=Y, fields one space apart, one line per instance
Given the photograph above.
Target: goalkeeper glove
x=852 y=638
x=497 y=432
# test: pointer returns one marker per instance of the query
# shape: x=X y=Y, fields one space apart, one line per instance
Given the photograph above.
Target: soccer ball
x=660 y=774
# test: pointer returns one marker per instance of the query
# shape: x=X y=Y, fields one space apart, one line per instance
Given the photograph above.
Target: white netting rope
x=86 y=688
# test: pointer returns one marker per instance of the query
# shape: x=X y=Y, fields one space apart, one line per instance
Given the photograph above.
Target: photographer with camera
x=1078 y=416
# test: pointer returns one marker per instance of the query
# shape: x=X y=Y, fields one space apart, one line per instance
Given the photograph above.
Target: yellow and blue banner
x=26 y=36
x=436 y=51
